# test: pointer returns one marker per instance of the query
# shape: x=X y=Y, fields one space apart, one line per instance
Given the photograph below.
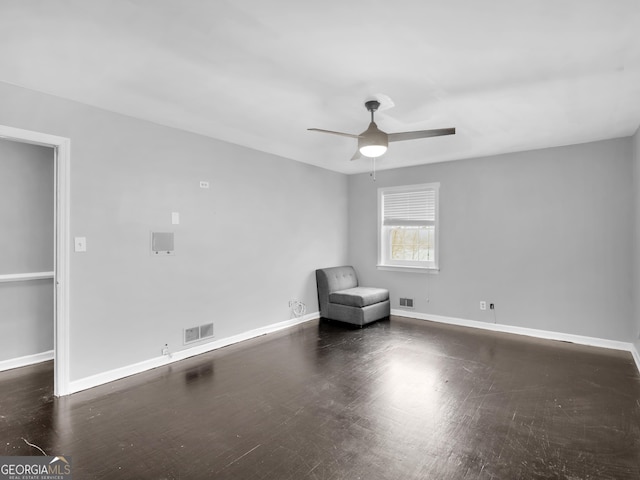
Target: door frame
x=61 y=147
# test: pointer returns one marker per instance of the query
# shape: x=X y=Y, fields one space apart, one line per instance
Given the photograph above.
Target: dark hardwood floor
x=400 y=399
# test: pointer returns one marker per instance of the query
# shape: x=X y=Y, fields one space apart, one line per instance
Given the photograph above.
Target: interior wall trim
x=62 y=246
x=23 y=277
x=26 y=360
x=529 y=332
x=126 y=371
x=636 y=355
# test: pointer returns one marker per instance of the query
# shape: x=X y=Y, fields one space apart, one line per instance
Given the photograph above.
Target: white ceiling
x=510 y=75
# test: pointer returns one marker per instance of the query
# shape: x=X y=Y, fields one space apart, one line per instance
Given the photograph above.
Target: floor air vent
x=194 y=334
x=406 y=302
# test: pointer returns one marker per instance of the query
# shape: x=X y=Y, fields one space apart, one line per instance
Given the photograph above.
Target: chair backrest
x=331 y=280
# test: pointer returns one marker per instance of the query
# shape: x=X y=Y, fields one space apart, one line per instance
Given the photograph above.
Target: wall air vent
x=406 y=302
x=206 y=330
x=193 y=334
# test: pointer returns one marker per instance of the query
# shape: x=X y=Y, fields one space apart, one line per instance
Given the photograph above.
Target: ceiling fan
x=373 y=142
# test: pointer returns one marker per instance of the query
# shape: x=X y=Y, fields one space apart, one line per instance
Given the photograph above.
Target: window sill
x=402 y=268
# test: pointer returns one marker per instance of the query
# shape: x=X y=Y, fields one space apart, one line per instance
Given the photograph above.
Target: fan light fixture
x=372 y=143
x=373 y=151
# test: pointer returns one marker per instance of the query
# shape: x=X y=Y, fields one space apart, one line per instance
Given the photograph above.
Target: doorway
x=60 y=273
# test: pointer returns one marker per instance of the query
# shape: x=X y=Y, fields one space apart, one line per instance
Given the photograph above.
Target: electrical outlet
x=165 y=349
x=492 y=306
x=483 y=305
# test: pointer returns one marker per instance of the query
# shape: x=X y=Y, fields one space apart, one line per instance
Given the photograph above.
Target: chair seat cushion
x=359 y=296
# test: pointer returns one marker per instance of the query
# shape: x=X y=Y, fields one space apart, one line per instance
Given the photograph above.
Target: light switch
x=175 y=218
x=80 y=244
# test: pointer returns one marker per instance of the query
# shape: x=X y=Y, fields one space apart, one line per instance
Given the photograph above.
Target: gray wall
x=636 y=242
x=26 y=246
x=546 y=235
x=244 y=248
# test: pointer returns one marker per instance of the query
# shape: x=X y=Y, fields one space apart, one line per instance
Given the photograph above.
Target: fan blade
x=396 y=137
x=350 y=135
x=357 y=155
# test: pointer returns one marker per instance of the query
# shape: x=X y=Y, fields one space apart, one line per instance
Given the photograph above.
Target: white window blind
x=408 y=237
x=410 y=209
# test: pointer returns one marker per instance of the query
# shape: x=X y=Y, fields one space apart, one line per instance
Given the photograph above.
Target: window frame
x=384 y=232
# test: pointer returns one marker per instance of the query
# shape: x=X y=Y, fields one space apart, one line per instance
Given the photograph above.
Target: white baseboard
x=26 y=360
x=126 y=371
x=636 y=355
x=529 y=332
x=122 y=372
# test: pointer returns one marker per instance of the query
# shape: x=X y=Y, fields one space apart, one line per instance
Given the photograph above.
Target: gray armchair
x=340 y=297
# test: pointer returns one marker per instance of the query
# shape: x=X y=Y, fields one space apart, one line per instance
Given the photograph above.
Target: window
x=408 y=219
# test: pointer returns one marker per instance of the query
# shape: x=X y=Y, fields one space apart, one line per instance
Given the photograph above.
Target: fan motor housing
x=372 y=105
x=373 y=136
